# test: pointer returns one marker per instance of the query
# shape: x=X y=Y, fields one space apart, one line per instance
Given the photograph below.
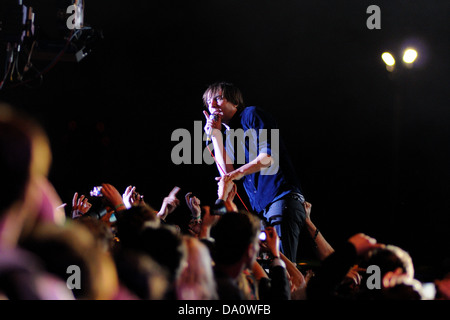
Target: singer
x=277 y=197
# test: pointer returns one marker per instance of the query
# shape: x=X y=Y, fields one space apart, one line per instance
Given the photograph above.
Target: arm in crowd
x=276 y=286
x=323 y=248
x=335 y=267
x=170 y=203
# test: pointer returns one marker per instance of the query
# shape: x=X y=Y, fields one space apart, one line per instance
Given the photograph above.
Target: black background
x=371 y=147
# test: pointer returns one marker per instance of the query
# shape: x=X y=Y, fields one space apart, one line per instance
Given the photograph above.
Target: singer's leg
x=291 y=225
x=287 y=217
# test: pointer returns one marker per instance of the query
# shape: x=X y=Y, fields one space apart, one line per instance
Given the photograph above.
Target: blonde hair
x=196 y=281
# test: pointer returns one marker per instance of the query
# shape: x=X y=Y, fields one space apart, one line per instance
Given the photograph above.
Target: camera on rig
x=99 y=207
x=34 y=36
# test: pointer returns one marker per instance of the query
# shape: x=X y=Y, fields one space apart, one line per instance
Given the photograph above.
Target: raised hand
x=273 y=241
x=194 y=204
x=212 y=122
x=80 y=206
x=307 y=207
x=131 y=198
x=226 y=189
x=170 y=203
x=112 y=196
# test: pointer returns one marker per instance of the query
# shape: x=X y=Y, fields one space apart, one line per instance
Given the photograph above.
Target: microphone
x=213 y=117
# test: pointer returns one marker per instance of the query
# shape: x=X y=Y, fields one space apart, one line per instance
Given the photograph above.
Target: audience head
x=390 y=258
x=142 y=275
x=22 y=277
x=24 y=152
x=73 y=245
x=133 y=221
x=165 y=245
x=101 y=231
x=236 y=238
x=25 y=159
x=15 y=158
x=196 y=281
x=396 y=273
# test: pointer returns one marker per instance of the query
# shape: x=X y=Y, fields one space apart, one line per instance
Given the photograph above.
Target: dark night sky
x=313 y=64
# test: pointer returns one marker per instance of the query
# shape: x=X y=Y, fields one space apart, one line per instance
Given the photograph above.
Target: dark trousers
x=287 y=216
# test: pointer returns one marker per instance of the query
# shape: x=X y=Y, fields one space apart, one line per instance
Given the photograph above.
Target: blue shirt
x=253 y=131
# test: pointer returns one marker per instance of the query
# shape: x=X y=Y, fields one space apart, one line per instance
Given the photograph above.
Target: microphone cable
x=223 y=171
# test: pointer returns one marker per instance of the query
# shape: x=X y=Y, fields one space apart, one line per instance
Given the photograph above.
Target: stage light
x=388 y=60
x=410 y=55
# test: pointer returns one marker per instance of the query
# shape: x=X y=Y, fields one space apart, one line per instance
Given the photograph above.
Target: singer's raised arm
x=212 y=128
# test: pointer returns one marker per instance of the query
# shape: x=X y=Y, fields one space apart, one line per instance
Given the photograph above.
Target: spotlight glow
x=388 y=59
x=410 y=55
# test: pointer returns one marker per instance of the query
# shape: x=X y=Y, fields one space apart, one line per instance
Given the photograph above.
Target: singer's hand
x=213 y=121
x=236 y=175
x=225 y=186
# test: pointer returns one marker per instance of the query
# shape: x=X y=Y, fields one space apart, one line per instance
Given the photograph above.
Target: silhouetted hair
x=233 y=234
x=15 y=158
x=132 y=222
x=141 y=274
x=391 y=257
x=20 y=140
x=166 y=247
x=60 y=247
